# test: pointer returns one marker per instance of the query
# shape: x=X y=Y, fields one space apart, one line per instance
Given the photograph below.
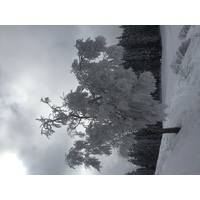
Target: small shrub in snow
x=176 y=64
x=184 y=31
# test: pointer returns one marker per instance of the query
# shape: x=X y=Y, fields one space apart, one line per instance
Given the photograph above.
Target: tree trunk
x=157 y=130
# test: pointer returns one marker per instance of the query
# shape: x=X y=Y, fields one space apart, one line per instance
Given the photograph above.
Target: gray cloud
x=35 y=62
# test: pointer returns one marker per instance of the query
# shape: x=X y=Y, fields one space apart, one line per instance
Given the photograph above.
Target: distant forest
x=142 y=52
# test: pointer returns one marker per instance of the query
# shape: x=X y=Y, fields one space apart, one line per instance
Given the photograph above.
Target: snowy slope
x=180 y=154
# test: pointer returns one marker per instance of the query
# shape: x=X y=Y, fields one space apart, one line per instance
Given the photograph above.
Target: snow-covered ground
x=180 y=154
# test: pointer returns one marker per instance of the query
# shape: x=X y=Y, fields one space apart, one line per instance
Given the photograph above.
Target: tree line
x=142 y=52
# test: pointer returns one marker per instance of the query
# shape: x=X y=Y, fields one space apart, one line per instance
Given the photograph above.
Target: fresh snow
x=180 y=153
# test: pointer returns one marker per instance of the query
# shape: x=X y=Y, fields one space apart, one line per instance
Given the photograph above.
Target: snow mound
x=180 y=154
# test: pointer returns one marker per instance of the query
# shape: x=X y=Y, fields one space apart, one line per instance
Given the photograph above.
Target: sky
x=35 y=62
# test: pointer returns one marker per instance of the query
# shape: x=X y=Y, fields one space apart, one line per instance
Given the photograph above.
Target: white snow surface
x=180 y=153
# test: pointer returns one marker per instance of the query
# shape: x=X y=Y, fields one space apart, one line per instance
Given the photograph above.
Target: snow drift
x=180 y=154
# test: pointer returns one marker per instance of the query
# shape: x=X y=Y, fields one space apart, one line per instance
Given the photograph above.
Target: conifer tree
x=142 y=51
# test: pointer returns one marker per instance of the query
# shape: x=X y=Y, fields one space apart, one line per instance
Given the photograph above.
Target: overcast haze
x=35 y=62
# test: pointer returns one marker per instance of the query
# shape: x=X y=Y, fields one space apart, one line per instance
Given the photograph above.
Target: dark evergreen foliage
x=142 y=52
x=145 y=152
x=141 y=171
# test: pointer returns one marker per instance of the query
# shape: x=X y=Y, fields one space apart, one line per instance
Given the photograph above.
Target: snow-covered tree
x=109 y=103
x=176 y=64
x=184 y=31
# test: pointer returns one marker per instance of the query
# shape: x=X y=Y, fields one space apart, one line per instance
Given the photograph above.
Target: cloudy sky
x=35 y=62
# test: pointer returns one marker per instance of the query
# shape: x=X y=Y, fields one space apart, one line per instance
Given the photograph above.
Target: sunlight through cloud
x=11 y=165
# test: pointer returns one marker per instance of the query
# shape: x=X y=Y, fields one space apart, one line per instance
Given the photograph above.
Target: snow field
x=180 y=154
